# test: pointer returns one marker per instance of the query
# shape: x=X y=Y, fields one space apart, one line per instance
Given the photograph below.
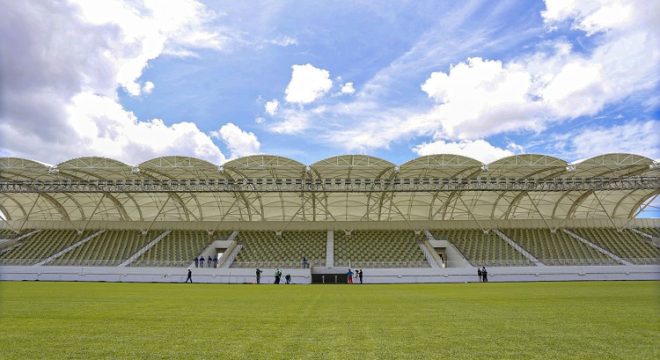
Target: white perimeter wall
x=303 y=276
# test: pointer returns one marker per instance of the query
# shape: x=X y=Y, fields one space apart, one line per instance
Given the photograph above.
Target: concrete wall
x=141 y=274
x=303 y=276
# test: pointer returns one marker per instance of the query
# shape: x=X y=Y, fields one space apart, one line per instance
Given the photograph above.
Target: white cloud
x=347 y=88
x=307 y=84
x=147 y=29
x=148 y=87
x=103 y=127
x=476 y=149
x=640 y=137
x=293 y=122
x=67 y=104
x=284 y=41
x=477 y=98
x=239 y=142
x=271 y=107
x=259 y=120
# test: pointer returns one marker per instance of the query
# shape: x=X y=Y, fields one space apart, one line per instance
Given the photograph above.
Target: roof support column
x=93 y=213
x=471 y=214
x=169 y=195
x=605 y=210
x=540 y=214
x=29 y=212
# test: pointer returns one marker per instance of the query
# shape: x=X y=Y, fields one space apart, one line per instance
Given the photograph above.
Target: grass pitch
x=590 y=320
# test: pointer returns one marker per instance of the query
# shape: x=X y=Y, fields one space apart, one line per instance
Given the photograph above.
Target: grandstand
x=40 y=246
x=434 y=218
x=625 y=244
x=286 y=249
x=378 y=249
x=483 y=249
x=178 y=248
x=557 y=248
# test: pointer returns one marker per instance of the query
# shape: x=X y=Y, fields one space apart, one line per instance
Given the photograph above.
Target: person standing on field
x=259 y=276
x=189 y=276
x=484 y=274
x=349 y=276
x=360 y=275
x=479 y=273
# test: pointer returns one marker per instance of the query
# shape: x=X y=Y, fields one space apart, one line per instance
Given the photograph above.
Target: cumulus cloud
x=271 y=107
x=479 y=149
x=477 y=98
x=347 y=88
x=59 y=97
x=239 y=142
x=148 y=87
x=307 y=84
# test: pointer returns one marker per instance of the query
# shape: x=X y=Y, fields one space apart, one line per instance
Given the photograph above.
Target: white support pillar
x=330 y=249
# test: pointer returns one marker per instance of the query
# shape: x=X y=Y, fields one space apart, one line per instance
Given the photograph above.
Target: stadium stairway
x=146 y=248
x=70 y=248
x=518 y=248
x=454 y=257
x=8 y=244
x=596 y=247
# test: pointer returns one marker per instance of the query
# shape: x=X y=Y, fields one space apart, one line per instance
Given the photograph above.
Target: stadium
x=436 y=218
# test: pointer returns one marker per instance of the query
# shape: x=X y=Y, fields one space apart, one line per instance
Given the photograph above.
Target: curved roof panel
x=179 y=167
x=90 y=168
x=352 y=167
x=527 y=166
x=264 y=166
x=440 y=166
x=12 y=168
x=612 y=165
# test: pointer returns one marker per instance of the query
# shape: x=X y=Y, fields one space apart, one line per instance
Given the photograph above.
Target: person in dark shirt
x=278 y=276
x=201 y=261
x=196 y=262
x=189 y=276
x=209 y=262
x=288 y=279
x=360 y=275
x=215 y=262
x=259 y=276
x=484 y=274
x=479 y=273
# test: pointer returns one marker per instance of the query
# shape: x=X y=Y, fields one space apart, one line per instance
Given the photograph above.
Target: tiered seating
x=653 y=231
x=266 y=249
x=482 y=249
x=178 y=248
x=40 y=246
x=7 y=234
x=557 y=248
x=372 y=249
x=625 y=244
x=110 y=248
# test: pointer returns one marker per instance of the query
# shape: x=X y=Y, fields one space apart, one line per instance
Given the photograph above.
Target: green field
x=572 y=320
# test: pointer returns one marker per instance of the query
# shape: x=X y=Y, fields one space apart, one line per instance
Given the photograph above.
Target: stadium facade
x=434 y=218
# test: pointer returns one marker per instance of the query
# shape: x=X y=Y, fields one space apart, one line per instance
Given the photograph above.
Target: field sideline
x=576 y=320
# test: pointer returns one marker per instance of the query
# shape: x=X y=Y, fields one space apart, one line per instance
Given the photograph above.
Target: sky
x=216 y=80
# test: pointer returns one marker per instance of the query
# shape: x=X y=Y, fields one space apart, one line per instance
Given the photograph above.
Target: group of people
x=350 y=275
x=210 y=262
x=482 y=273
x=278 y=277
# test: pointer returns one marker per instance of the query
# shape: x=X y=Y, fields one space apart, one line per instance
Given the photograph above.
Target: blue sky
x=479 y=78
x=134 y=80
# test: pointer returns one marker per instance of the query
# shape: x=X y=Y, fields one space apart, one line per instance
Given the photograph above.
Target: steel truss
x=331 y=185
